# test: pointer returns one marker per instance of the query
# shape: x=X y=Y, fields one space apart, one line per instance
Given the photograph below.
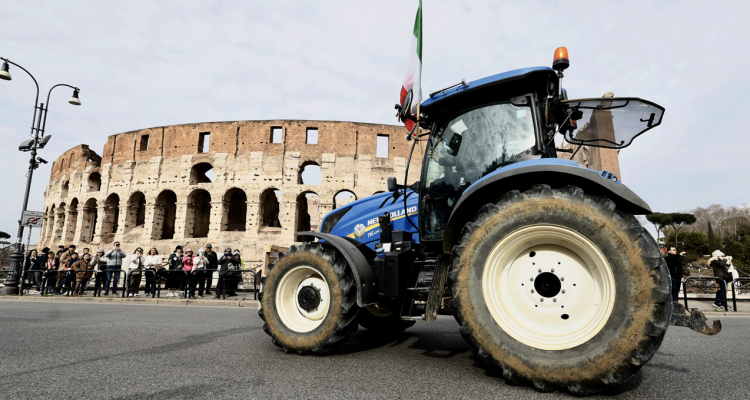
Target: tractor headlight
x=332 y=220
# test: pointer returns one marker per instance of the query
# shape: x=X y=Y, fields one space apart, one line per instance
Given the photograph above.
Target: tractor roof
x=483 y=86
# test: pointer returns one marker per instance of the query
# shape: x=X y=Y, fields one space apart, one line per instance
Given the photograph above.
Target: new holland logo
x=359 y=230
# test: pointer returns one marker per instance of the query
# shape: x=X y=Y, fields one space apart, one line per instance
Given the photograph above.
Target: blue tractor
x=552 y=279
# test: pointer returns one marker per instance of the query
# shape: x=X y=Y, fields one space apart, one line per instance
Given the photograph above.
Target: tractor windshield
x=468 y=147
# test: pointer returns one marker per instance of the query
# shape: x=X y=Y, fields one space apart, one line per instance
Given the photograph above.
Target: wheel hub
x=547 y=284
x=548 y=287
x=308 y=298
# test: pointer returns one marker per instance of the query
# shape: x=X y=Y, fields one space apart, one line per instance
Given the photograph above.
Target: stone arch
x=95 y=181
x=201 y=173
x=234 y=212
x=270 y=208
x=90 y=216
x=50 y=227
x=59 y=235
x=199 y=213
x=111 y=215
x=343 y=197
x=308 y=215
x=64 y=189
x=165 y=215
x=136 y=217
x=72 y=221
x=309 y=174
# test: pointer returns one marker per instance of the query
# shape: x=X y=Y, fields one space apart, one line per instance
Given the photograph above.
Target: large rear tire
x=560 y=290
x=309 y=299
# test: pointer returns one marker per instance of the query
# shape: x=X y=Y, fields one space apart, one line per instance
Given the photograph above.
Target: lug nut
x=554 y=300
x=563 y=291
x=553 y=270
x=562 y=278
x=532 y=290
x=540 y=270
x=531 y=279
x=541 y=299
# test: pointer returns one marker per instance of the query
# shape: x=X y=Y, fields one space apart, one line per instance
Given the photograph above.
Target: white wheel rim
x=576 y=313
x=291 y=313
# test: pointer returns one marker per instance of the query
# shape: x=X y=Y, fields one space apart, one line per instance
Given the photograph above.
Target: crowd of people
x=721 y=265
x=65 y=272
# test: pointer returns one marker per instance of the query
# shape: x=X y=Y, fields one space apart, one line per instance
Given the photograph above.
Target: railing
x=710 y=282
x=167 y=274
x=737 y=282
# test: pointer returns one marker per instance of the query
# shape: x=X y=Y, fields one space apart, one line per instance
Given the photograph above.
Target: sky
x=142 y=64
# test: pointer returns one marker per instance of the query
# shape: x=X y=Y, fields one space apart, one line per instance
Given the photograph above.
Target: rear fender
x=552 y=172
x=367 y=291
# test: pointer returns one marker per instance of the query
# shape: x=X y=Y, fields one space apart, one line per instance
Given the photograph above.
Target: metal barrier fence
x=737 y=282
x=71 y=282
x=710 y=281
x=187 y=286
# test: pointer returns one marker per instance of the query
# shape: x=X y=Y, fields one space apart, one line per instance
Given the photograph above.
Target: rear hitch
x=693 y=319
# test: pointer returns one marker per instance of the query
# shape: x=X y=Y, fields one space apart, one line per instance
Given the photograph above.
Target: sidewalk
x=743 y=308
x=234 y=302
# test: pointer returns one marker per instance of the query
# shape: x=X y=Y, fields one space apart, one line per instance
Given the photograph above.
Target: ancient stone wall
x=225 y=183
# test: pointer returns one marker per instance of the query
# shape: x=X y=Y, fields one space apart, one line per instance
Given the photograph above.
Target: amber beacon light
x=561 y=62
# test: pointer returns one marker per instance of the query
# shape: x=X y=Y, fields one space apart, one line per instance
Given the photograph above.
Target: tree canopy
x=660 y=220
x=4 y=235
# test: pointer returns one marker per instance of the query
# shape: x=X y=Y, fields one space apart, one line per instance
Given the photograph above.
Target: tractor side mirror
x=392 y=184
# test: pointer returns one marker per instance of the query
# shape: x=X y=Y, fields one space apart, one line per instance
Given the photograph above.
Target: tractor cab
x=486 y=127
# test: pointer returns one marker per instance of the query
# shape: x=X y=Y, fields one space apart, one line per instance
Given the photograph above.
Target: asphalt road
x=120 y=351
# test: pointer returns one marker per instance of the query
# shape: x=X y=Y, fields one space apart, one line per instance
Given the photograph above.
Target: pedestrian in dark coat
x=674 y=263
x=718 y=265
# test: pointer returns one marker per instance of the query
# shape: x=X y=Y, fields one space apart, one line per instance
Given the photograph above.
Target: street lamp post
x=14 y=275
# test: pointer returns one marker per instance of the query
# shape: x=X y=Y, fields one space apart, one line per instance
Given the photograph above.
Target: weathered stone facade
x=153 y=188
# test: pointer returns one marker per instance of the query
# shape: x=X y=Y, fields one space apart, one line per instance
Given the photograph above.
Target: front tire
x=308 y=300
x=560 y=290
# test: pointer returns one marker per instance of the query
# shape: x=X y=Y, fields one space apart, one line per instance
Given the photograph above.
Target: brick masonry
x=144 y=190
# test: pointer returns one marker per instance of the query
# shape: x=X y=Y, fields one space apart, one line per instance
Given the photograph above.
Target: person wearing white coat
x=136 y=268
x=151 y=262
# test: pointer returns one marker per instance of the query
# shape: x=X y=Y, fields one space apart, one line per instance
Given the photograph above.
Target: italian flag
x=413 y=78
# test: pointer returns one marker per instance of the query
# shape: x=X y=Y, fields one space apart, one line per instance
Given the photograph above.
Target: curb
x=142 y=301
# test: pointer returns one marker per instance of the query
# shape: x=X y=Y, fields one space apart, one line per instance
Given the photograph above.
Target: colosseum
x=242 y=184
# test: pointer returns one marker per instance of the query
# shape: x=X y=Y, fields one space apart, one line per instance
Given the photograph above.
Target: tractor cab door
x=610 y=123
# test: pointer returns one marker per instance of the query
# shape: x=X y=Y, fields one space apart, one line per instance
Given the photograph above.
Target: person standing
x=136 y=270
x=718 y=265
x=235 y=278
x=37 y=265
x=674 y=263
x=66 y=255
x=51 y=265
x=174 y=279
x=213 y=263
x=187 y=266
x=100 y=263
x=224 y=262
x=152 y=261
x=82 y=278
x=67 y=277
x=114 y=258
x=200 y=262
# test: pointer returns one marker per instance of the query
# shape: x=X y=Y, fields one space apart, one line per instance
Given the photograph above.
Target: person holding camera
x=674 y=263
x=136 y=268
x=114 y=258
x=82 y=278
x=717 y=263
x=200 y=262
x=213 y=263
